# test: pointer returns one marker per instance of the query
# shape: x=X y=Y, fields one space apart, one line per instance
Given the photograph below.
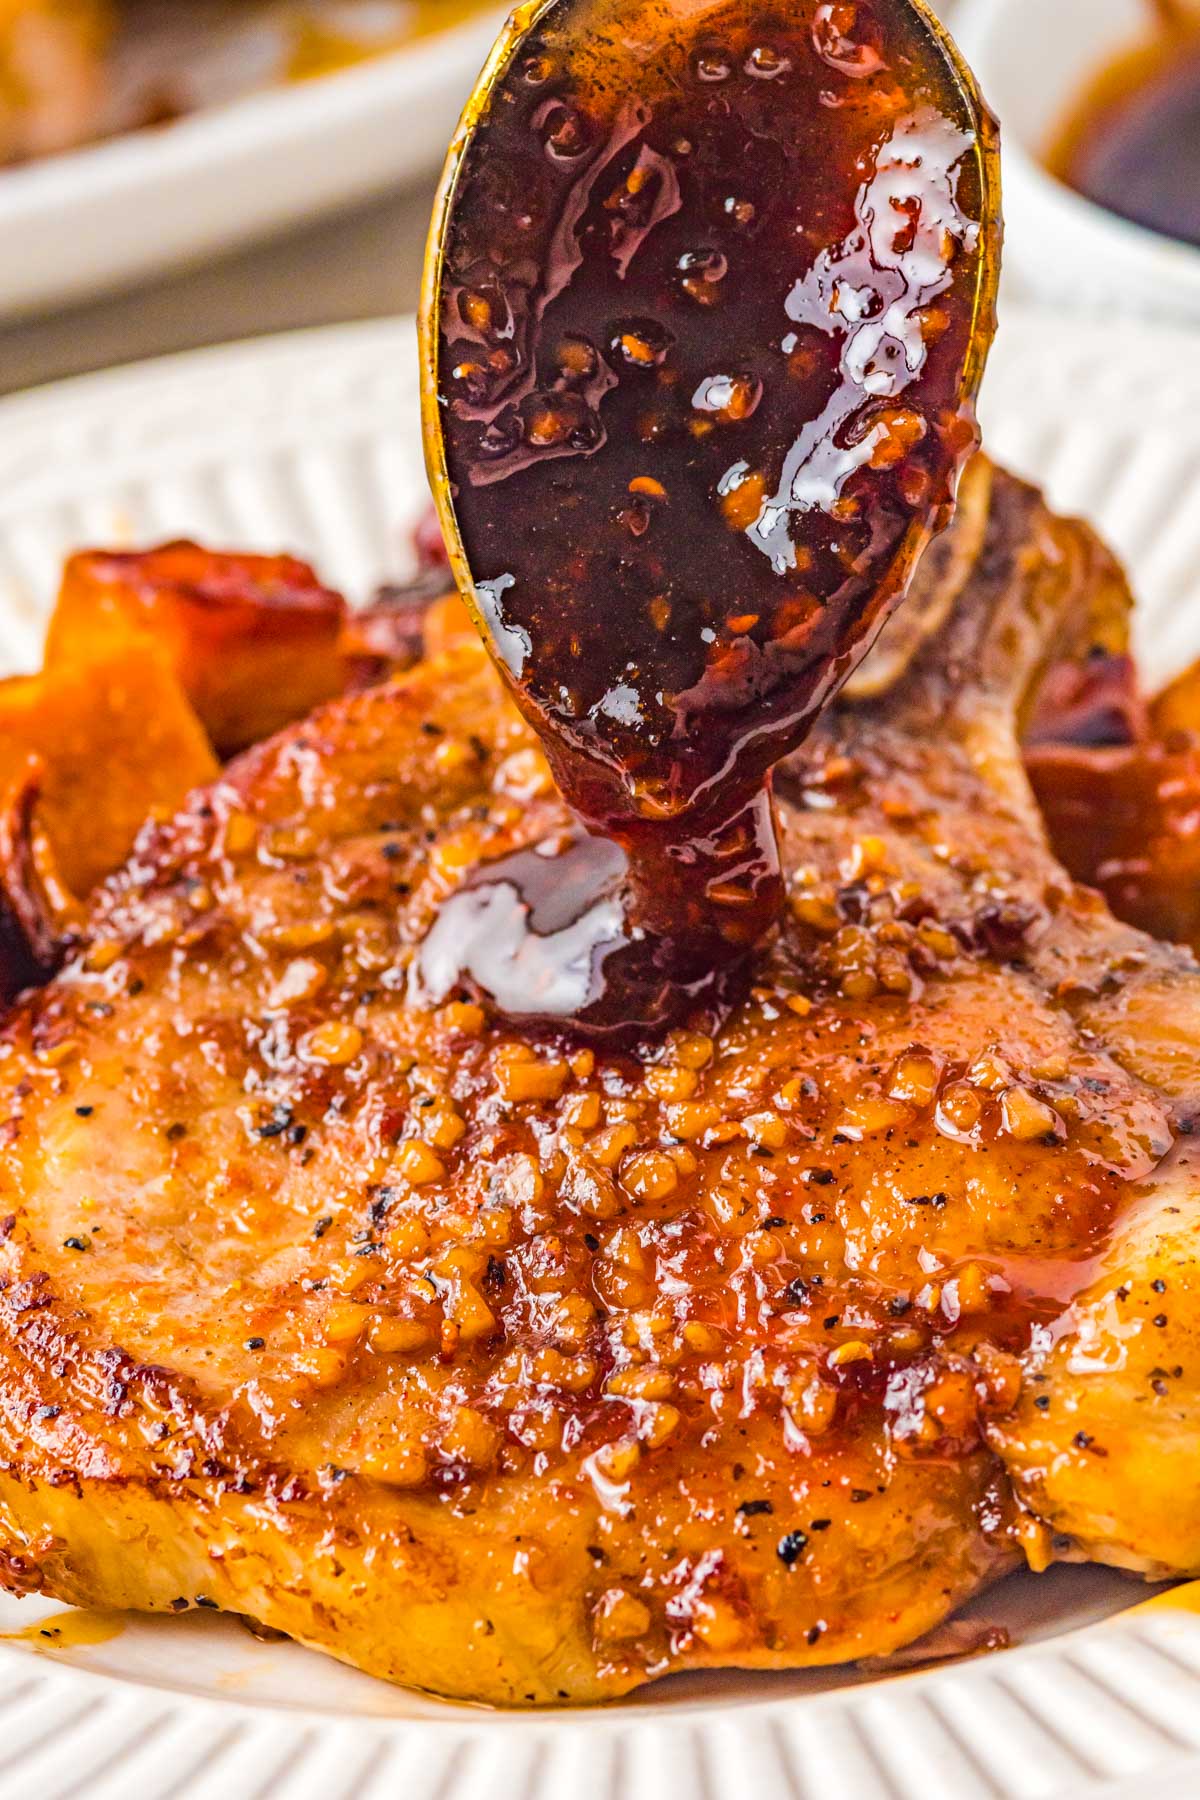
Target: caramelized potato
x=448 y=625
x=1127 y=820
x=252 y=639
x=116 y=739
x=1177 y=709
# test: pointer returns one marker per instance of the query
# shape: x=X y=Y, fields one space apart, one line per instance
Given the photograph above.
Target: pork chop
x=526 y=1372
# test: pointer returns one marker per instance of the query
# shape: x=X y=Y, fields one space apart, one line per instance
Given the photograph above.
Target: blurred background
x=181 y=172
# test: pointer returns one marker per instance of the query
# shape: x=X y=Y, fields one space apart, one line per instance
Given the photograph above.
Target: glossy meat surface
x=527 y=1373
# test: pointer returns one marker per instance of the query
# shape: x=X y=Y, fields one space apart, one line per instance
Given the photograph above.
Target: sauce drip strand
x=709 y=296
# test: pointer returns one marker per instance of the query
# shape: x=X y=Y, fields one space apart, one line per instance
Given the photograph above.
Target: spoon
x=708 y=296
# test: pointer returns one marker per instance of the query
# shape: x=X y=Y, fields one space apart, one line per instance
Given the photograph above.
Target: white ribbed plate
x=310 y=443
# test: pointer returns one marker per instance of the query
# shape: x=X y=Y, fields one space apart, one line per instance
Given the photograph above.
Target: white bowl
x=1033 y=58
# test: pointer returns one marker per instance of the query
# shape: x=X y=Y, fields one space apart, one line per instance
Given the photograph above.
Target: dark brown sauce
x=707 y=341
x=603 y=929
x=1132 y=141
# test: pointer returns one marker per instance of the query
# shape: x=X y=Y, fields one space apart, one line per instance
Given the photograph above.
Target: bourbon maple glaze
x=712 y=302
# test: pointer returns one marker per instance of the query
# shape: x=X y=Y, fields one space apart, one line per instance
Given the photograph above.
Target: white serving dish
x=1033 y=58
x=104 y=216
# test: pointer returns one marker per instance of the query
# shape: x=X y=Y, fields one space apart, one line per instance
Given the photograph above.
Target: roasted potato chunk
x=116 y=740
x=252 y=639
x=52 y=82
x=1176 y=712
x=448 y=625
x=1127 y=820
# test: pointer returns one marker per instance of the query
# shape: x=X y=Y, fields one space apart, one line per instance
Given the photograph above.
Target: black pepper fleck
x=791 y=1547
x=277 y=1124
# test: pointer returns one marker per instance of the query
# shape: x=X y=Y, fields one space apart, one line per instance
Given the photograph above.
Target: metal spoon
x=708 y=296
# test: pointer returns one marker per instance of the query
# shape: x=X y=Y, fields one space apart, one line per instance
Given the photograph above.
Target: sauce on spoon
x=709 y=295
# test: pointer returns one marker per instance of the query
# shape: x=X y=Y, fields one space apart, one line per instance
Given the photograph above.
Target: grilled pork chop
x=527 y=1372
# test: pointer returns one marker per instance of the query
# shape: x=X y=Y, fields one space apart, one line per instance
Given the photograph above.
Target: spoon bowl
x=649 y=219
x=708 y=296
